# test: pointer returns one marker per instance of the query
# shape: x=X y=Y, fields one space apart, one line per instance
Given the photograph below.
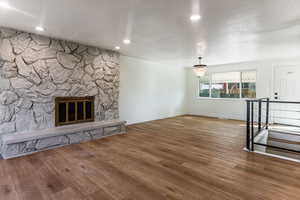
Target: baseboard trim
x=153 y=120
x=212 y=117
x=273 y=155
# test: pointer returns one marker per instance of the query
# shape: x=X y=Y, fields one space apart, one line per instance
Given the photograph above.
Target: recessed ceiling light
x=117 y=48
x=195 y=17
x=39 y=28
x=126 y=41
x=4 y=5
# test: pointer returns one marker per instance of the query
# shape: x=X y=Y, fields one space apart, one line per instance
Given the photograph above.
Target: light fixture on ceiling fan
x=200 y=69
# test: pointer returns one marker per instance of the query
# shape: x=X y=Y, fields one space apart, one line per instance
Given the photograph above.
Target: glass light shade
x=200 y=71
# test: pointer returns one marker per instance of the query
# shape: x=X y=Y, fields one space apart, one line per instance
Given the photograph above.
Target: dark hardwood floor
x=182 y=158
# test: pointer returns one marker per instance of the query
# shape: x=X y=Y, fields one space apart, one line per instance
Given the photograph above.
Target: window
x=228 y=85
x=204 y=86
x=225 y=85
x=249 y=84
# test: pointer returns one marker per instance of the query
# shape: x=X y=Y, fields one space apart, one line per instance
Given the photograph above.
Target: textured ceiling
x=160 y=30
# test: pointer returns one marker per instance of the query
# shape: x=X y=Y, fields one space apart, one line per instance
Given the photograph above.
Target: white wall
x=150 y=91
x=232 y=108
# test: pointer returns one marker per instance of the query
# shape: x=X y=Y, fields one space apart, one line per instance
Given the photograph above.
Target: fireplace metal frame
x=75 y=100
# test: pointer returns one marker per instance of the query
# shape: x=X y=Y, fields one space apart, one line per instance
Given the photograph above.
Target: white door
x=286 y=88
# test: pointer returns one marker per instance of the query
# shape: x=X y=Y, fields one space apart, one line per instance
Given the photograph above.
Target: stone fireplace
x=35 y=70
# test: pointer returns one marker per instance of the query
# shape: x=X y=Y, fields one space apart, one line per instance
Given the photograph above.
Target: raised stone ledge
x=20 y=144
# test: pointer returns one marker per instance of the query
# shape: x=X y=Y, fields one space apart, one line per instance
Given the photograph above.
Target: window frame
x=222 y=98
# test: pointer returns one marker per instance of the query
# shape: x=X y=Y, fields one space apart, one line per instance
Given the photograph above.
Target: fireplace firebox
x=73 y=110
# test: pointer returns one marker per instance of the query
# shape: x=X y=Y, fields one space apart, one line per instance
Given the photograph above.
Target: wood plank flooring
x=184 y=158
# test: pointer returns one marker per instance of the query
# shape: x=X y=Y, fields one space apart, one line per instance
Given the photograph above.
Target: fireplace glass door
x=72 y=110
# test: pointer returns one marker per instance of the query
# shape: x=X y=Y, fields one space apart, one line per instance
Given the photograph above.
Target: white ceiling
x=160 y=30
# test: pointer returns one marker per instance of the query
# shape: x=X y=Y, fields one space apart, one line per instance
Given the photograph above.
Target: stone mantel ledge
x=25 y=143
x=58 y=131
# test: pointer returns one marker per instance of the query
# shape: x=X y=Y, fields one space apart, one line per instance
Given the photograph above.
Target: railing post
x=259 y=115
x=252 y=126
x=248 y=126
x=267 y=113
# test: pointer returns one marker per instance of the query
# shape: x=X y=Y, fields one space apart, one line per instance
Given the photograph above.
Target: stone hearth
x=15 y=145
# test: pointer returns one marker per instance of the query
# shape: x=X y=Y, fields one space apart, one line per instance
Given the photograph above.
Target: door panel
x=287 y=88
